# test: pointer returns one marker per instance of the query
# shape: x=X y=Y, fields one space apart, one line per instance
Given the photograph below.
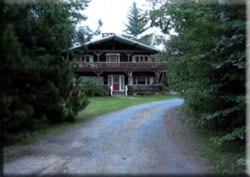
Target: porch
x=134 y=89
x=124 y=77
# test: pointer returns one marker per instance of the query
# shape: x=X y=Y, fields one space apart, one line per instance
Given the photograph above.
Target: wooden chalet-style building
x=119 y=65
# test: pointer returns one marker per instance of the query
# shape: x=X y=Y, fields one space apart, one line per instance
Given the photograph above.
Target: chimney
x=107 y=34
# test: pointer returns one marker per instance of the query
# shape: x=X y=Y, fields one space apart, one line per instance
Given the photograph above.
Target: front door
x=117 y=81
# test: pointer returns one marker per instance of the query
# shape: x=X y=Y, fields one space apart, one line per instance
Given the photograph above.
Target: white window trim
x=121 y=81
x=147 y=81
x=117 y=57
x=90 y=58
x=144 y=57
x=122 y=84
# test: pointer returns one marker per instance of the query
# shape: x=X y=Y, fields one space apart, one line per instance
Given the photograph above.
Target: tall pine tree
x=37 y=80
x=137 y=22
x=208 y=62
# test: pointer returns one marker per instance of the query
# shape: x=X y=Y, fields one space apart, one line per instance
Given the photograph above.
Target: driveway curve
x=131 y=141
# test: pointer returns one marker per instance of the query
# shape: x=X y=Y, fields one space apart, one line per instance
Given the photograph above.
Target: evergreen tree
x=38 y=85
x=85 y=34
x=207 y=63
x=137 y=22
x=15 y=111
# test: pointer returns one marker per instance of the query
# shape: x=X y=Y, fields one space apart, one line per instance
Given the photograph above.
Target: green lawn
x=97 y=106
x=223 y=159
x=102 y=105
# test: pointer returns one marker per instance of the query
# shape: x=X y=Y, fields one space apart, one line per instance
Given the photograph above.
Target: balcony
x=121 y=66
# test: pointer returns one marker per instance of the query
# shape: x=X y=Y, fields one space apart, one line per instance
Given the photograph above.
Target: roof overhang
x=117 y=38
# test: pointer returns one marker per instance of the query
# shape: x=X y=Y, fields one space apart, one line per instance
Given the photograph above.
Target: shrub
x=90 y=88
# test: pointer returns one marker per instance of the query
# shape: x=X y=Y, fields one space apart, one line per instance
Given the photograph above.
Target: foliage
x=85 y=34
x=37 y=82
x=90 y=88
x=207 y=62
x=227 y=158
x=93 y=110
x=76 y=102
x=136 y=22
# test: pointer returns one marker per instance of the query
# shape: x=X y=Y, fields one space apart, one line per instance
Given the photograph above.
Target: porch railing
x=135 y=89
x=83 y=66
x=142 y=89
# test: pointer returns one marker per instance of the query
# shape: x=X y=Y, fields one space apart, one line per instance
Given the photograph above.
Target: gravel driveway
x=131 y=141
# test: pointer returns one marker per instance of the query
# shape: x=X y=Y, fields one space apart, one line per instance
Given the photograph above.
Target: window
x=87 y=58
x=140 y=58
x=122 y=83
x=112 y=57
x=143 y=80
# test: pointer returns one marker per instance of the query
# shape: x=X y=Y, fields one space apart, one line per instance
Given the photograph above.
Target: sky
x=113 y=14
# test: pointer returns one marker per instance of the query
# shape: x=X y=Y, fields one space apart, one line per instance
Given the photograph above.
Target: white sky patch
x=113 y=14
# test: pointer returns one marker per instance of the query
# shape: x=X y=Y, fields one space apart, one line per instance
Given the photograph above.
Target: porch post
x=98 y=57
x=99 y=78
x=111 y=90
x=130 y=78
x=98 y=54
x=128 y=53
x=157 y=75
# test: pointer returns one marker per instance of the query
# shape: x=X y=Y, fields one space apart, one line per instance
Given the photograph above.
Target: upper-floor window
x=112 y=57
x=87 y=59
x=140 y=58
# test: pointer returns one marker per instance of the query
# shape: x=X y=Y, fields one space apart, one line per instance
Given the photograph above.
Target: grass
x=98 y=106
x=222 y=159
x=103 y=105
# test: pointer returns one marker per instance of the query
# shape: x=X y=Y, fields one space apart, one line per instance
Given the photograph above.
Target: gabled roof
x=121 y=39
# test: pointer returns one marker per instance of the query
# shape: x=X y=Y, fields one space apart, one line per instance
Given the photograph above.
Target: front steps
x=118 y=93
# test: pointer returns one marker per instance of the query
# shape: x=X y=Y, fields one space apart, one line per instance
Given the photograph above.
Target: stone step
x=118 y=93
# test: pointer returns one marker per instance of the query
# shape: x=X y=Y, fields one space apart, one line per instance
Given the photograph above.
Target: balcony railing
x=105 y=66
